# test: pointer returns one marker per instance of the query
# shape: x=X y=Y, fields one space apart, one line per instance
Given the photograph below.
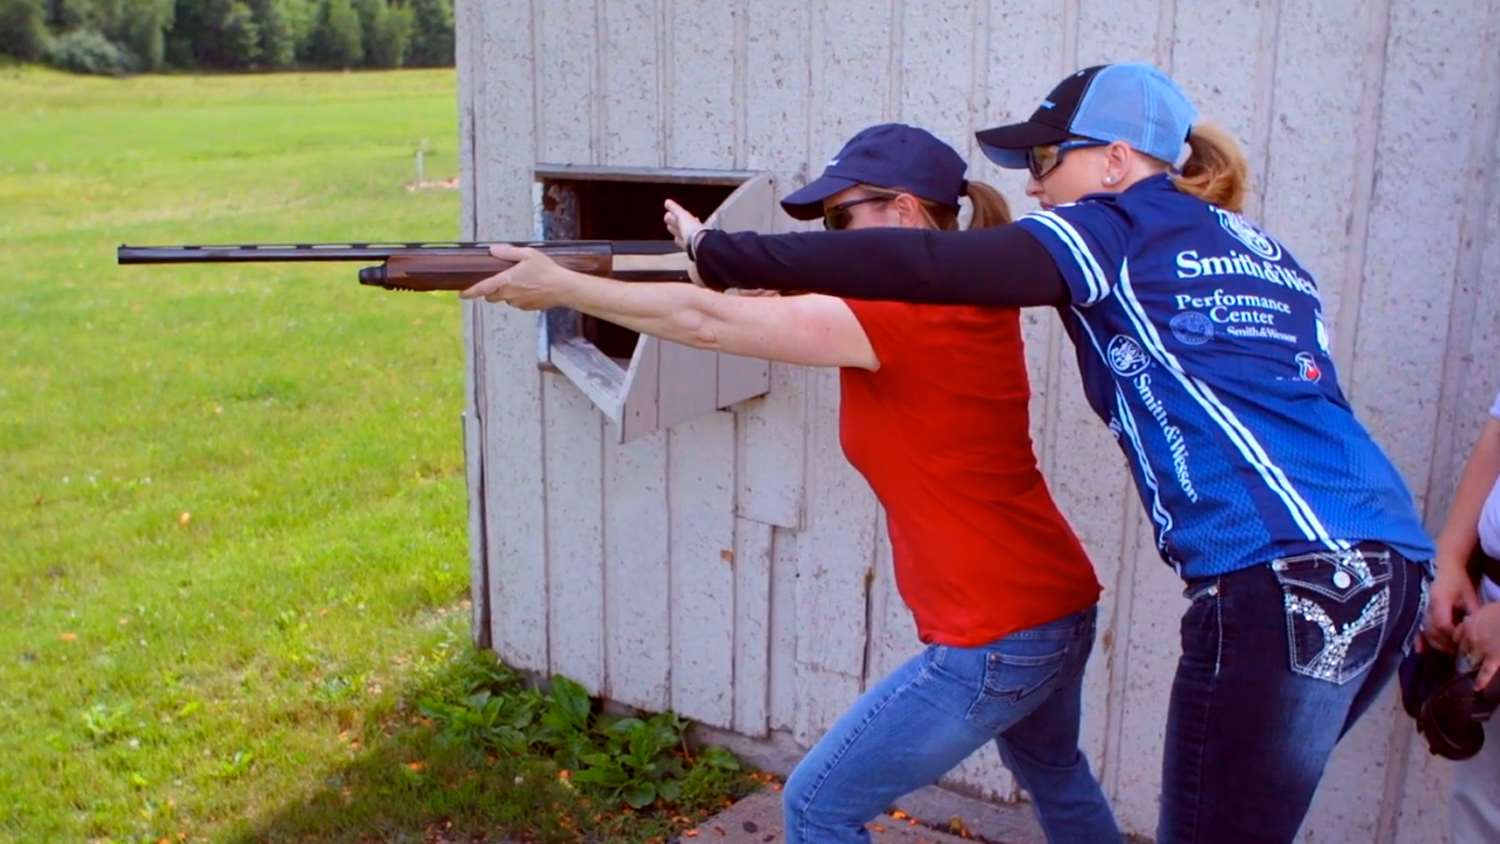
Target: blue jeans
x=1022 y=691
x=1278 y=662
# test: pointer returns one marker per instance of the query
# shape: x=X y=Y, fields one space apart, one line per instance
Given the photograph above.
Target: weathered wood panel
x=574 y=459
x=752 y=622
x=701 y=109
x=505 y=140
x=776 y=126
x=784 y=630
x=573 y=442
x=834 y=567
x=1321 y=140
x=700 y=499
x=469 y=30
x=638 y=642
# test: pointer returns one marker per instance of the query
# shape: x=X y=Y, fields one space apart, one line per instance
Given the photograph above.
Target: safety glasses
x=839 y=216
x=1041 y=160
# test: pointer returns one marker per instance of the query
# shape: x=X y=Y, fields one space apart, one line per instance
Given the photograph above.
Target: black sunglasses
x=839 y=216
x=1041 y=160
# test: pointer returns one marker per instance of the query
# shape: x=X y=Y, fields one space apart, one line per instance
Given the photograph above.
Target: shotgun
x=438 y=266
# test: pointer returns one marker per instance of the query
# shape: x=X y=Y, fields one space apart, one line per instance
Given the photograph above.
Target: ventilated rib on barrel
x=437 y=266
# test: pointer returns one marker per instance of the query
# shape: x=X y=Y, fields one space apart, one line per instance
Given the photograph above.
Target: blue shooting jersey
x=1202 y=344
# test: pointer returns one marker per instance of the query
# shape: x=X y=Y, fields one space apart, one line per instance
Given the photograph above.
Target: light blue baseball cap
x=1134 y=103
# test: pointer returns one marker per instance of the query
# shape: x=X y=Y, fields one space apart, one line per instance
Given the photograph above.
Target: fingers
x=1469 y=638
x=683 y=217
x=1487 y=673
x=491 y=289
x=1438 y=627
x=680 y=222
x=496 y=288
x=1468 y=599
x=1440 y=636
x=510 y=252
x=1452 y=599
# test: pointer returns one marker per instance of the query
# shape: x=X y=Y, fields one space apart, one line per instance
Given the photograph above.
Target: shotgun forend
x=437 y=266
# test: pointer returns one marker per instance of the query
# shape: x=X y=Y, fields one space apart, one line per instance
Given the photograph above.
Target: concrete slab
x=757 y=820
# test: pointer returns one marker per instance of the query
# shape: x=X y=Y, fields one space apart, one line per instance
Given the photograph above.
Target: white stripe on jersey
x=1249 y=448
x=1159 y=512
x=1093 y=275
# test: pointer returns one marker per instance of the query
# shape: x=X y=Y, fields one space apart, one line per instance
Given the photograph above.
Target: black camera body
x=1449 y=708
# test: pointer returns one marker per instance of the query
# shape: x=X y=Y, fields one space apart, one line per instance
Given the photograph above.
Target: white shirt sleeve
x=1489 y=517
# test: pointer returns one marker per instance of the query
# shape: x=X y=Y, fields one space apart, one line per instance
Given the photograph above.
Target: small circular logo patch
x=1254 y=239
x=1126 y=357
x=1192 y=328
x=1307 y=367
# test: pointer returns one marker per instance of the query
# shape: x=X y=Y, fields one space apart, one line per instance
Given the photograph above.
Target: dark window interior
x=583 y=209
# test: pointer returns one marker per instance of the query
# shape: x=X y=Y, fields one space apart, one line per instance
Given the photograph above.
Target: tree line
x=132 y=36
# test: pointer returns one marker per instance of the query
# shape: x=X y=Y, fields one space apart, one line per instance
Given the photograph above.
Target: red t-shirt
x=941 y=433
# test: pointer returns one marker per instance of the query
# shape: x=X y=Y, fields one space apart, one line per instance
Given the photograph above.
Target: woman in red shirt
x=934 y=415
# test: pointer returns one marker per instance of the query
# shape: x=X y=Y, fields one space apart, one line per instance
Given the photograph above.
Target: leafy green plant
x=635 y=761
x=104 y=723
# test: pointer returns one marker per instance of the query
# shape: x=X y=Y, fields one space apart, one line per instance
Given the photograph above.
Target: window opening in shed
x=643 y=384
x=618 y=206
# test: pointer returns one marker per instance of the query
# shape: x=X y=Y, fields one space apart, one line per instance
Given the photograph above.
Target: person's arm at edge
x=1452 y=589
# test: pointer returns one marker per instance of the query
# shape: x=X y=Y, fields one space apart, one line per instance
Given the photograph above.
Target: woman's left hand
x=534 y=283
x=1479 y=640
x=681 y=223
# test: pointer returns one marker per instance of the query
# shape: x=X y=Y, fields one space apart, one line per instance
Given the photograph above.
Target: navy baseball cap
x=1134 y=103
x=890 y=155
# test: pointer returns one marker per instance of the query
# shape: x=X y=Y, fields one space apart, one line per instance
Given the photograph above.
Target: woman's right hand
x=681 y=223
x=1451 y=599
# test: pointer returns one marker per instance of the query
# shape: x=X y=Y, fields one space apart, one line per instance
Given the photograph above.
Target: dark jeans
x=1278 y=662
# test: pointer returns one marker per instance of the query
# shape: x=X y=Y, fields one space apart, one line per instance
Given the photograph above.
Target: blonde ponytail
x=1216 y=171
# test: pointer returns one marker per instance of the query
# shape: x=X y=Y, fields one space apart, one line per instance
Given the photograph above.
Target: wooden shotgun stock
x=438 y=266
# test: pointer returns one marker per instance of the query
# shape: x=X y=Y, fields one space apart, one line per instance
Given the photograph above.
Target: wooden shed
x=677 y=529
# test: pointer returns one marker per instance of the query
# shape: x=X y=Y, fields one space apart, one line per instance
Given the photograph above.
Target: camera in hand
x=1449 y=708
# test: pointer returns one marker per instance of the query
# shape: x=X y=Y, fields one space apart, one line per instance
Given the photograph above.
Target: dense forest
x=134 y=36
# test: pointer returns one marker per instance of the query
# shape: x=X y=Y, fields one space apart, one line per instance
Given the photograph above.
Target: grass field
x=231 y=497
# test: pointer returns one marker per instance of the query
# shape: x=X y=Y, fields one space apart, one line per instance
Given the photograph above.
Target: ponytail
x=990 y=207
x=1216 y=170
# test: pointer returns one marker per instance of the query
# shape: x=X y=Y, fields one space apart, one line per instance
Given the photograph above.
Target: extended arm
x=812 y=330
x=1005 y=265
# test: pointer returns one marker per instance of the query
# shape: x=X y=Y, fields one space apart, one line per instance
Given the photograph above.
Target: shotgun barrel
x=436 y=266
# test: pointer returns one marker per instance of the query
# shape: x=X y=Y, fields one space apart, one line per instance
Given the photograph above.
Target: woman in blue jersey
x=1201 y=344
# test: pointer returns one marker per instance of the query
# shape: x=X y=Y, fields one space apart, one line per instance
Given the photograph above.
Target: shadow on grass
x=409 y=785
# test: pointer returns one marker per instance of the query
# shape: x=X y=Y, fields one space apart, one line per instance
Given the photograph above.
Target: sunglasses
x=1044 y=159
x=839 y=216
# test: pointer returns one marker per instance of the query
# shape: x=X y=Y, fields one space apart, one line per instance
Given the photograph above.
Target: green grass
x=232 y=550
